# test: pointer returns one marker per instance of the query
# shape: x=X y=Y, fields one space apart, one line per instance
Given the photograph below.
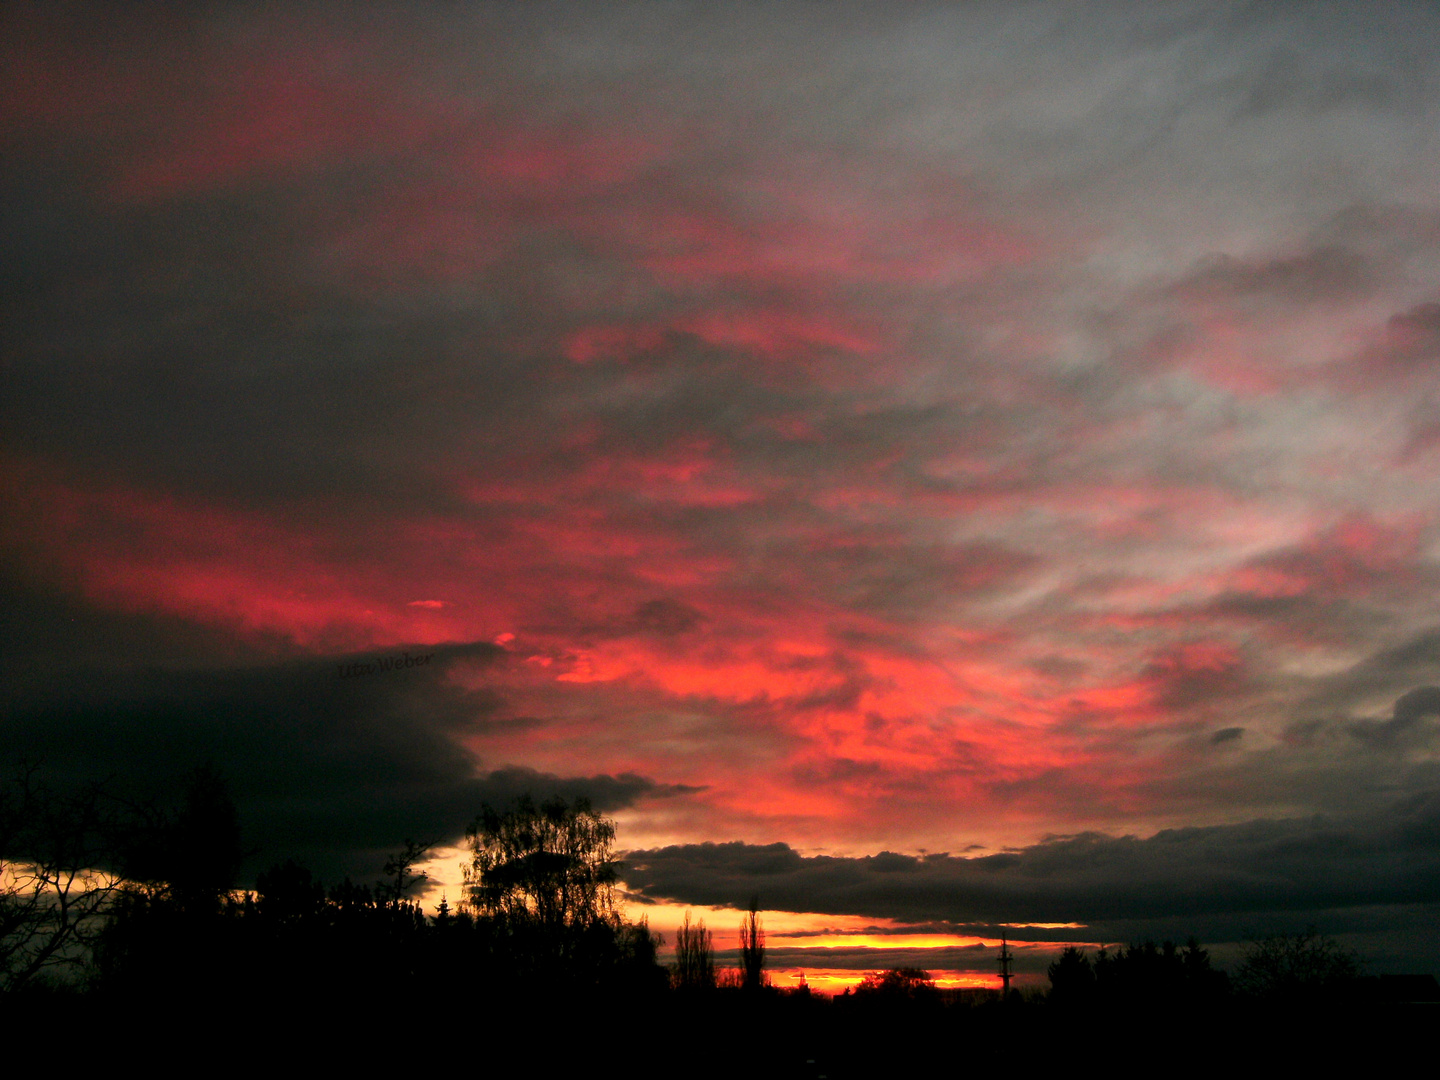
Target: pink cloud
x=1353 y=557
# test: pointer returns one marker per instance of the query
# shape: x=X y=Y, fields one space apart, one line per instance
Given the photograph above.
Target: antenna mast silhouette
x=1005 y=958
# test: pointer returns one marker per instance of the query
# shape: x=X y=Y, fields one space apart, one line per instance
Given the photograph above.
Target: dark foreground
x=720 y=1033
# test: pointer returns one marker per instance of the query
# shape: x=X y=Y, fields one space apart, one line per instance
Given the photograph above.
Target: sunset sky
x=949 y=470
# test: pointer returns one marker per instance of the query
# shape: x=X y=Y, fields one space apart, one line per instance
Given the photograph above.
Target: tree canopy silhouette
x=1072 y=979
x=909 y=984
x=752 y=948
x=54 y=894
x=541 y=882
x=1295 y=968
x=694 y=967
x=1144 y=976
x=550 y=865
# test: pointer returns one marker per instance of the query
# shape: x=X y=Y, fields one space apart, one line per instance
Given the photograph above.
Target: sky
x=951 y=471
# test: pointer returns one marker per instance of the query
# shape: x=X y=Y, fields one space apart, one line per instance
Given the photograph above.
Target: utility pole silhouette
x=1005 y=958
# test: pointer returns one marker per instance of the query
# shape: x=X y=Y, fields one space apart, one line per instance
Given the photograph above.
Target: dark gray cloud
x=1410 y=710
x=1323 y=274
x=1221 y=882
x=326 y=765
x=1317 y=81
x=1384 y=675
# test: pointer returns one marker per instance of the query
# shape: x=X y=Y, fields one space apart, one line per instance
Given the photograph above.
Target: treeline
x=1144 y=975
x=1305 y=969
x=123 y=912
x=114 y=899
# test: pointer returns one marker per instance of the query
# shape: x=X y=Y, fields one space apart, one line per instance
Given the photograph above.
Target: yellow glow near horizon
x=837 y=980
x=877 y=941
x=797 y=930
x=801 y=929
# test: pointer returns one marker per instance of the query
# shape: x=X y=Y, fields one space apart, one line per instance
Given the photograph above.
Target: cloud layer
x=881 y=428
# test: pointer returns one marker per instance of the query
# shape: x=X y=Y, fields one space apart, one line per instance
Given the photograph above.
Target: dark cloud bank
x=332 y=769
x=1224 y=883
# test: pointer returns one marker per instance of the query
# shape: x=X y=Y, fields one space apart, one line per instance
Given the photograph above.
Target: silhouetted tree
x=549 y=866
x=289 y=895
x=543 y=877
x=898 y=984
x=694 y=957
x=1195 y=960
x=1297 y=968
x=637 y=968
x=401 y=877
x=1072 y=980
x=1201 y=981
x=173 y=926
x=1144 y=976
x=54 y=889
x=187 y=856
x=752 y=948
x=1147 y=972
